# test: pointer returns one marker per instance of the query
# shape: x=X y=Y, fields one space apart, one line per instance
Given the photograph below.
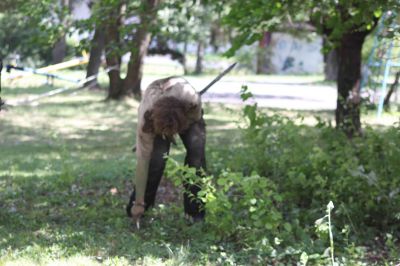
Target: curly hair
x=168 y=117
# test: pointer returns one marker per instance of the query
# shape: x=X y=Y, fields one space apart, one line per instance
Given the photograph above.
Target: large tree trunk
x=200 y=57
x=262 y=62
x=59 y=51
x=60 y=46
x=348 y=83
x=330 y=63
x=215 y=35
x=133 y=79
x=392 y=89
x=96 y=51
x=113 y=58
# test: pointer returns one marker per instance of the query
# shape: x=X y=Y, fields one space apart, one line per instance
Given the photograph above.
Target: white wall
x=80 y=10
x=294 y=55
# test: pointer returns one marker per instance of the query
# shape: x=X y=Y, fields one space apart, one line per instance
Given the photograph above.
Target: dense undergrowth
x=270 y=193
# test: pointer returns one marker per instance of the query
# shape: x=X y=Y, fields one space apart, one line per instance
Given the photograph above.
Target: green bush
x=277 y=181
x=311 y=166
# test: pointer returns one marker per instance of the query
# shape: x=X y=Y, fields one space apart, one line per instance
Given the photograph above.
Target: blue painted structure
x=384 y=57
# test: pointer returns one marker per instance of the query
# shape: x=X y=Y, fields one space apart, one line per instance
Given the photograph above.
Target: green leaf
x=303 y=258
x=268 y=226
x=221 y=181
x=378 y=13
x=287 y=227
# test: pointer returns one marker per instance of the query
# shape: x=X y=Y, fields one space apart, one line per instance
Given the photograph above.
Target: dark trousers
x=194 y=140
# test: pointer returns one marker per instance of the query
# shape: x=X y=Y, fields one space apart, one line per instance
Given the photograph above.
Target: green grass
x=66 y=171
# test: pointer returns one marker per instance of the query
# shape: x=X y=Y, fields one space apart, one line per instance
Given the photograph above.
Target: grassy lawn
x=66 y=171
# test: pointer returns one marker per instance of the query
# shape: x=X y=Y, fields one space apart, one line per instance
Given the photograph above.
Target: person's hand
x=137 y=211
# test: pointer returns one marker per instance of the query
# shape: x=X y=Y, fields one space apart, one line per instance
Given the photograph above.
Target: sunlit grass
x=66 y=170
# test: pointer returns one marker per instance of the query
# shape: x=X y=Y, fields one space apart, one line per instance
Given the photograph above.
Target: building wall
x=293 y=55
x=80 y=10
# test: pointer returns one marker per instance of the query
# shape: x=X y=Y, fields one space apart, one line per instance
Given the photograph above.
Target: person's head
x=168 y=117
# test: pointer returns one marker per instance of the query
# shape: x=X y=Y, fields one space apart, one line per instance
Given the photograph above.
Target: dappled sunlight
x=74 y=117
x=67 y=171
x=385 y=120
x=294 y=166
x=39 y=173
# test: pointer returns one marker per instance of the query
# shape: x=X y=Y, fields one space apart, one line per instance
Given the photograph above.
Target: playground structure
x=383 y=67
x=46 y=71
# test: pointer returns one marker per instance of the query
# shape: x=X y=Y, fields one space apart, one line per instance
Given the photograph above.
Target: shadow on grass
x=8 y=91
x=66 y=175
x=57 y=218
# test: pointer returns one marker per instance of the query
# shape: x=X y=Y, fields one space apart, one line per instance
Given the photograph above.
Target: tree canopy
x=344 y=23
x=331 y=18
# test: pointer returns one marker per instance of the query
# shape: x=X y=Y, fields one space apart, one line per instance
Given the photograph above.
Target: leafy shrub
x=268 y=190
x=313 y=165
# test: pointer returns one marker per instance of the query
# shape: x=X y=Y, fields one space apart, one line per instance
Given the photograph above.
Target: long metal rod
x=42 y=73
x=59 y=90
x=226 y=71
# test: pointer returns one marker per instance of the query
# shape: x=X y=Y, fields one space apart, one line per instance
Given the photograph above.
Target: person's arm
x=142 y=170
x=144 y=146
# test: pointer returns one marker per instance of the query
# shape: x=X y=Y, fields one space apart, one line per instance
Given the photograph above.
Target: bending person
x=169 y=107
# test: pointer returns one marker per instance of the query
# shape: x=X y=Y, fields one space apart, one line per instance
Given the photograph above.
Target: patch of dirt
x=168 y=192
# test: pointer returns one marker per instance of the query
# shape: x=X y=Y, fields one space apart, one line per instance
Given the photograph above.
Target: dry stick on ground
x=393 y=87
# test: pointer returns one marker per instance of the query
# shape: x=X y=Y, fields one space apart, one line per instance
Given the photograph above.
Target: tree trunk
x=133 y=79
x=331 y=65
x=215 y=35
x=260 y=59
x=59 y=51
x=393 y=87
x=113 y=58
x=200 y=57
x=262 y=54
x=60 y=47
x=184 y=59
x=348 y=83
x=95 y=57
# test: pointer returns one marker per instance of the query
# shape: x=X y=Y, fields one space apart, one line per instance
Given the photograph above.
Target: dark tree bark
x=262 y=53
x=200 y=57
x=59 y=51
x=348 y=83
x=97 y=47
x=260 y=61
x=113 y=59
x=215 y=35
x=133 y=79
x=393 y=87
x=60 y=47
x=331 y=65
